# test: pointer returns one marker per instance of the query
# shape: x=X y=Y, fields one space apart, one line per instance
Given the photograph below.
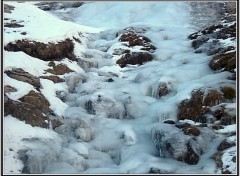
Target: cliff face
x=155 y=78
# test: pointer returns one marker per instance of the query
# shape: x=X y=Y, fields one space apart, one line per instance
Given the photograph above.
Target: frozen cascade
x=114 y=120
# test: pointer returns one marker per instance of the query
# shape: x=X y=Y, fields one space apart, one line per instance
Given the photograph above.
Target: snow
x=49 y=91
x=14 y=131
x=228 y=129
x=22 y=60
x=107 y=125
x=40 y=26
x=22 y=88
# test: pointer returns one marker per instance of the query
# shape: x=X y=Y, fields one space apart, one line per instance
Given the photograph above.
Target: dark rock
x=169 y=121
x=198 y=42
x=154 y=170
x=181 y=125
x=20 y=75
x=54 y=79
x=224 y=62
x=8 y=89
x=191 y=157
x=60 y=69
x=134 y=59
x=191 y=130
x=43 y=51
x=163 y=90
x=228 y=92
x=13 y=25
x=8 y=8
x=217 y=127
x=225 y=145
x=226 y=120
x=120 y=51
x=51 y=64
x=23 y=33
x=110 y=80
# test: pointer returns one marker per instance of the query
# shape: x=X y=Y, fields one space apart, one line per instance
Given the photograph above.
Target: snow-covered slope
x=110 y=117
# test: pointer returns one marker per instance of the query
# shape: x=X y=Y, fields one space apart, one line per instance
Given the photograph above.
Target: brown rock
x=38 y=100
x=228 y=92
x=8 y=89
x=225 y=145
x=20 y=75
x=134 y=59
x=193 y=108
x=191 y=130
x=54 y=79
x=224 y=62
x=218 y=158
x=43 y=51
x=59 y=70
x=213 y=98
x=33 y=109
x=25 y=112
x=163 y=90
x=56 y=123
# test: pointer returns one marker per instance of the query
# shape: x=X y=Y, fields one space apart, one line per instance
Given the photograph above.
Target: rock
x=228 y=92
x=193 y=108
x=191 y=130
x=8 y=89
x=134 y=39
x=8 y=8
x=13 y=25
x=60 y=69
x=110 y=80
x=217 y=112
x=54 y=79
x=225 y=145
x=44 y=51
x=33 y=109
x=120 y=51
x=198 y=105
x=217 y=127
x=191 y=157
x=20 y=75
x=154 y=170
x=181 y=125
x=168 y=121
x=38 y=100
x=213 y=98
x=218 y=158
x=136 y=58
x=224 y=62
x=163 y=89
x=56 y=123
x=171 y=142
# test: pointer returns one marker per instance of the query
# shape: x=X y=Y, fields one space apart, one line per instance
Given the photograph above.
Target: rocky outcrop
x=33 y=108
x=53 y=78
x=135 y=58
x=20 y=75
x=8 y=89
x=44 y=51
x=59 y=69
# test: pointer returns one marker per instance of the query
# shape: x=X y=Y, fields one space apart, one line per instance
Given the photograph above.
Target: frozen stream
x=109 y=123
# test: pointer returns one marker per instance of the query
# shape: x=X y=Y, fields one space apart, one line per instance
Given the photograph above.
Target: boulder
x=8 y=89
x=20 y=75
x=135 y=58
x=44 y=51
x=224 y=62
x=8 y=8
x=191 y=130
x=225 y=144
